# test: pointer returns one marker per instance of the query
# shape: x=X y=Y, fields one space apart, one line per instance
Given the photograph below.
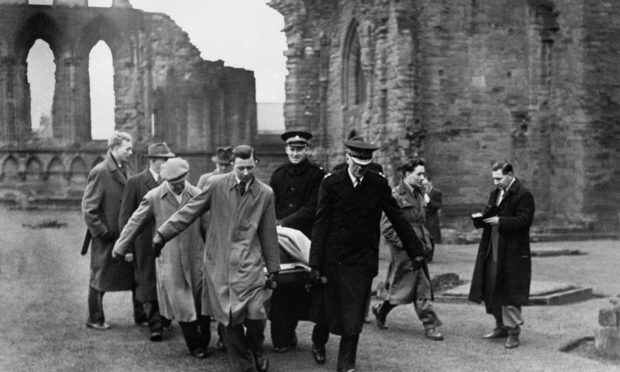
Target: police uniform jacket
x=345 y=243
x=296 y=187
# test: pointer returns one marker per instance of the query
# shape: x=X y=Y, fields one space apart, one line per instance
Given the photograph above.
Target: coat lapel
x=116 y=173
x=148 y=179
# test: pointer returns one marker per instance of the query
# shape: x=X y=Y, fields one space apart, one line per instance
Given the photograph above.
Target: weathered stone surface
x=607 y=317
x=164 y=91
x=607 y=337
x=462 y=83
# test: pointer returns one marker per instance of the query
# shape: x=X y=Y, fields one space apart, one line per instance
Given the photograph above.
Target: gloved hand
x=129 y=257
x=272 y=280
x=108 y=236
x=158 y=244
x=115 y=255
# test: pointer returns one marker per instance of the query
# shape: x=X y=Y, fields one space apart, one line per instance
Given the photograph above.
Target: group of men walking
x=211 y=252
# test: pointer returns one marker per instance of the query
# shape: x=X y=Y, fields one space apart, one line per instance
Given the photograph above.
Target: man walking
x=144 y=259
x=179 y=267
x=241 y=242
x=345 y=243
x=296 y=187
x=503 y=268
x=101 y=205
x=404 y=284
x=433 y=203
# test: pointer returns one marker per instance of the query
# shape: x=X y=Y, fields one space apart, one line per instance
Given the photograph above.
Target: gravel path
x=43 y=284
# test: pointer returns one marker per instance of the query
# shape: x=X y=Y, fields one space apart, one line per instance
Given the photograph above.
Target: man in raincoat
x=179 y=267
x=241 y=241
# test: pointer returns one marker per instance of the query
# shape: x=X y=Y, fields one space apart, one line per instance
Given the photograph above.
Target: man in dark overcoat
x=101 y=204
x=345 y=243
x=503 y=268
x=295 y=186
x=433 y=198
x=141 y=251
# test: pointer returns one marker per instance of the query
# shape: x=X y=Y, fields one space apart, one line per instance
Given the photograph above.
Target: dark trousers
x=320 y=334
x=244 y=342
x=347 y=352
x=153 y=317
x=95 y=306
x=197 y=334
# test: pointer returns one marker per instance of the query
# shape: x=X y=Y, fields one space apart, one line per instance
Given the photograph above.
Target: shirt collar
x=352 y=177
x=154 y=174
x=510 y=184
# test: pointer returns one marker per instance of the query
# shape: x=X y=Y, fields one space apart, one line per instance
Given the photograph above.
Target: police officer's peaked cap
x=174 y=170
x=360 y=151
x=296 y=138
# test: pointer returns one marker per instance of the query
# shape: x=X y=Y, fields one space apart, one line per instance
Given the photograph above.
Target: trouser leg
x=385 y=309
x=511 y=316
x=95 y=306
x=497 y=314
x=426 y=312
x=240 y=357
x=191 y=335
x=151 y=309
x=320 y=334
x=347 y=352
x=139 y=315
x=204 y=321
x=255 y=335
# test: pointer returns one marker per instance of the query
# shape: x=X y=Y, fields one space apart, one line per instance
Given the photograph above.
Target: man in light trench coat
x=241 y=241
x=179 y=267
x=101 y=205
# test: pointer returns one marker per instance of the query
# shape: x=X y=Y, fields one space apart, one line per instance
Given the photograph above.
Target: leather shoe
x=378 y=319
x=512 y=341
x=433 y=334
x=262 y=363
x=156 y=336
x=221 y=346
x=496 y=333
x=318 y=353
x=98 y=326
x=280 y=349
x=200 y=354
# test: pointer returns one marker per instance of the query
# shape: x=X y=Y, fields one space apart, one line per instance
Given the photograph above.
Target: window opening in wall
x=354 y=83
x=101 y=72
x=100 y=3
x=41 y=77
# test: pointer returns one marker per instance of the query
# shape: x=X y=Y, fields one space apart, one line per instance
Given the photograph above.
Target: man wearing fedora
x=223 y=164
x=295 y=186
x=179 y=267
x=345 y=243
x=140 y=251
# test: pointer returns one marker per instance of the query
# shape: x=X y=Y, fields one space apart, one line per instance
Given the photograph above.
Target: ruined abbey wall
x=164 y=91
x=464 y=82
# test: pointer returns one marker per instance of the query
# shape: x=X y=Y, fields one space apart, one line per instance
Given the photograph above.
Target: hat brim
x=219 y=161
x=360 y=161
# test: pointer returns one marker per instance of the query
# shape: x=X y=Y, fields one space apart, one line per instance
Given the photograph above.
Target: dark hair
x=243 y=152
x=505 y=167
x=411 y=164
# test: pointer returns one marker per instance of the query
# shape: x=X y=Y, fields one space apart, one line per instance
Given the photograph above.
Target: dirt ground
x=44 y=283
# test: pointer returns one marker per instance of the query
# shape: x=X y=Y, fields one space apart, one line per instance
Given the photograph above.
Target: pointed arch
x=41 y=75
x=100 y=28
x=78 y=171
x=353 y=79
x=55 y=171
x=33 y=169
x=10 y=169
x=38 y=26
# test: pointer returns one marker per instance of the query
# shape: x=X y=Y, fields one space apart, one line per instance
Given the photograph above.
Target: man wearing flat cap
x=223 y=164
x=345 y=243
x=140 y=251
x=295 y=186
x=179 y=267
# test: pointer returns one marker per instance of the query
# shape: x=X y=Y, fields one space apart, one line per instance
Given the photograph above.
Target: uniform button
x=290 y=205
x=292 y=189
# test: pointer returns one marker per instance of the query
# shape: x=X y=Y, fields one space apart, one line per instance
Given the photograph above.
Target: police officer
x=295 y=185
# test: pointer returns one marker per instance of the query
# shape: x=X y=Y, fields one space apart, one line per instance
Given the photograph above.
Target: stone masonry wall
x=462 y=83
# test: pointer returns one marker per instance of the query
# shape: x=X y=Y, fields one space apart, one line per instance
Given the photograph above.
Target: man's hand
x=492 y=220
x=108 y=236
x=115 y=255
x=272 y=280
x=129 y=257
x=158 y=244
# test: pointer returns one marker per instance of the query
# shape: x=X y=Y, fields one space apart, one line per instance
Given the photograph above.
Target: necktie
x=241 y=187
x=357 y=182
x=159 y=179
x=500 y=197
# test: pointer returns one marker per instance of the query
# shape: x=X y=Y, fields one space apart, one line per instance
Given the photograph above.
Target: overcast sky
x=242 y=33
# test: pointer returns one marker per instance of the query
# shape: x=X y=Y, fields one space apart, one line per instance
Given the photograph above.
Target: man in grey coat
x=141 y=252
x=101 y=205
